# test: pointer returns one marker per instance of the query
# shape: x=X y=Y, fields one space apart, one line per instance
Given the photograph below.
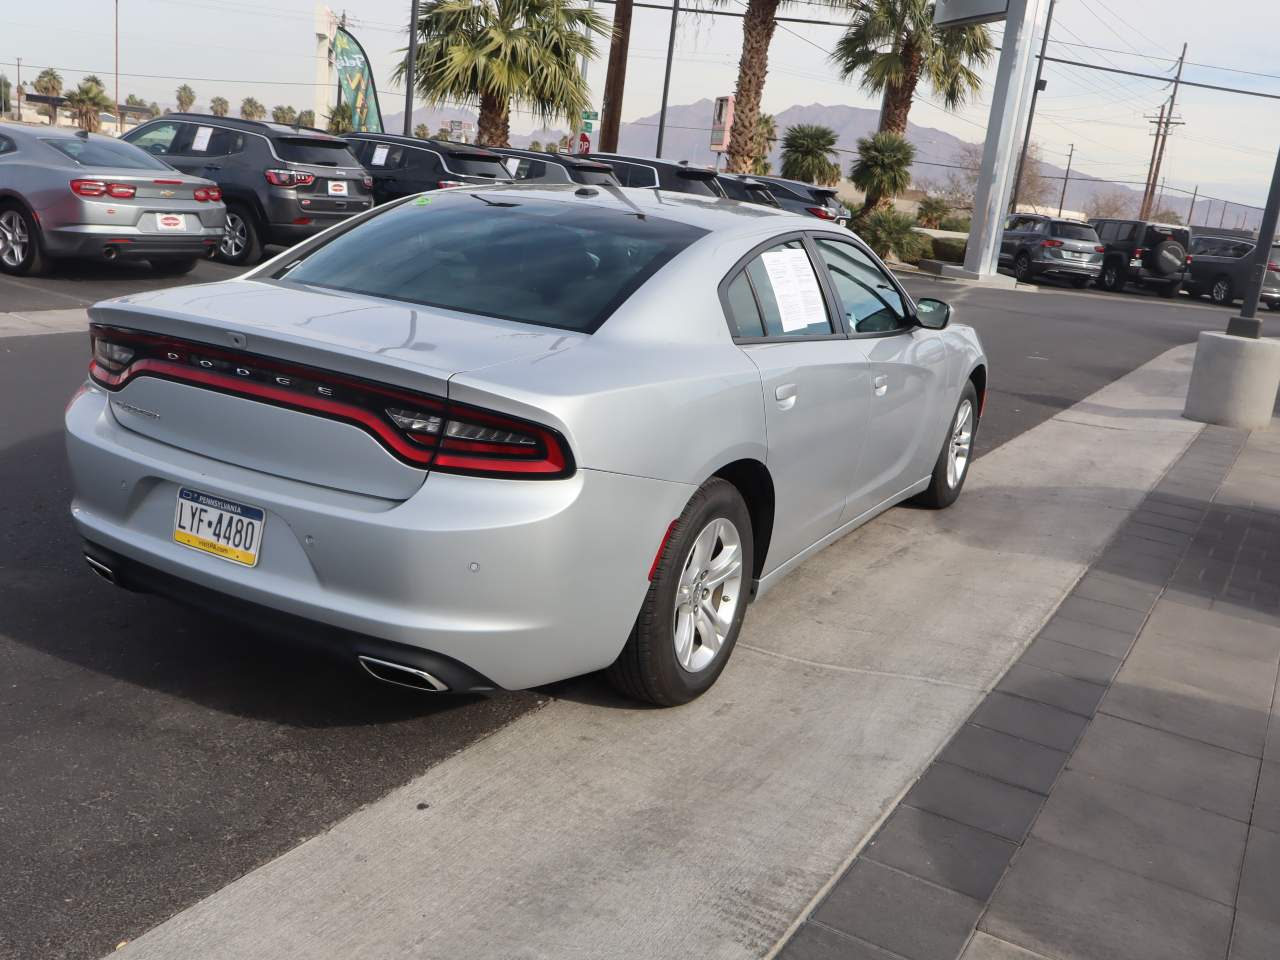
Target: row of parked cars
x=186 y=186
x=1117 y=253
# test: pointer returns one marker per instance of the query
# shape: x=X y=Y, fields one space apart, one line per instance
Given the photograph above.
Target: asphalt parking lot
x=154 y=756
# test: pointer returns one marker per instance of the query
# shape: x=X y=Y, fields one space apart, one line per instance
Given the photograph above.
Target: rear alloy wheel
x=1022 y=268
x=20 y=251
x=696 y=602
x=1221 y=292
x=952 y=465
x=240 y=241
x=1113 y=276
x=173 y=266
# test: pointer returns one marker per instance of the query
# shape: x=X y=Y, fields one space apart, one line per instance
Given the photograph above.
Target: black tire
x=1114 y=276
x=33 y=260
x=1081 y=282
x=648 y=668
x=941 y=492
x=242 y=243
x=1170 y=290
x=1022 y=268
x=173 y=266
x=1222 y=292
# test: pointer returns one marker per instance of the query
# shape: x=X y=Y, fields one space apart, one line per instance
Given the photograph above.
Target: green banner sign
x=355 y=82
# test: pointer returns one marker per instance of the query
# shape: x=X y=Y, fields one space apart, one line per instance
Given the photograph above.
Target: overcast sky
x=239 y=48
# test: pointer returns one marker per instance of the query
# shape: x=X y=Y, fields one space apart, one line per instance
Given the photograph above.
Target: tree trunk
x=753 y=66
x=897 y=100
x=615 y=79
x=493 y=126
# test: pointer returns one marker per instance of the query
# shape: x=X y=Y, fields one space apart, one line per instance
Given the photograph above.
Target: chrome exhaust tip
x=401 y=675
x=110 y=253
x=101 y=569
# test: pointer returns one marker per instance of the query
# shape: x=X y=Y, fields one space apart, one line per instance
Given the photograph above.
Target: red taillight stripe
x=657 y=557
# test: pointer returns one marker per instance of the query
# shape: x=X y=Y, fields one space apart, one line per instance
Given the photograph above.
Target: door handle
x=786 y=396
x=881 y=385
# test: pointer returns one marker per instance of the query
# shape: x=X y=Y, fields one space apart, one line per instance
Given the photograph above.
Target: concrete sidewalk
x=32 y=322
x=1111 y=797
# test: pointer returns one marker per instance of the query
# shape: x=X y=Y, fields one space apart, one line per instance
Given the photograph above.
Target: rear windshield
x=106 y=153
x=320 y=153
x=695 y=183
x=1074 y=231
x=564 y=265
x=474 y=166
x=595 y=176
x=1158 y=235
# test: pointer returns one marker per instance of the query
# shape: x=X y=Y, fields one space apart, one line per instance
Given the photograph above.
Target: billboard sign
x=960 y=13
x=721 y=124
x=355 y=82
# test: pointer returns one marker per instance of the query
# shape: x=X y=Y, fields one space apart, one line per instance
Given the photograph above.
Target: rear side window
x=522 y=168
x=787 y=292
x=744 y=314
x=592 y=177
x=381 y=156
x=1126 y=231
x=633 y=175
x=474 y=166
x=314 y=151
x=106 y=152
x=698 y=186
x=562 y=265
x=212 y=142
x=1074 y=231
x=1107 y=231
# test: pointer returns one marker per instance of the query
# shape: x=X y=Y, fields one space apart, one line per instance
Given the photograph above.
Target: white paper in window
x=201 y=142
x=380 y=155
x=795 y=287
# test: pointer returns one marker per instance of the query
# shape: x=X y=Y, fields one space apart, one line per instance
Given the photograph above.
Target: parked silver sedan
x=500 y=436
x=66 y=193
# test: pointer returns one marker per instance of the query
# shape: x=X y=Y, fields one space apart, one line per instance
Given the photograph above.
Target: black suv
x=800 y=197
x=534 y=166
x=1143 y=253
x=281 y=184
x=660 y=174
x=739 y=186
x=403 y=166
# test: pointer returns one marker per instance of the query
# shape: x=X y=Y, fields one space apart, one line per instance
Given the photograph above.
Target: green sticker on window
x=422 y=201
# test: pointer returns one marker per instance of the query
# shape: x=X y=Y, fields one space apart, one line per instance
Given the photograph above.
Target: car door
x=816 y=389
x=1009 y=239
x=906 y=364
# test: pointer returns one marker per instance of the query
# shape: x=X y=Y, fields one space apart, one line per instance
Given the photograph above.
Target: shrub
x=932 y=211
x=888 y=231
x=924 y=252
x=959 y=223
x=949 y=249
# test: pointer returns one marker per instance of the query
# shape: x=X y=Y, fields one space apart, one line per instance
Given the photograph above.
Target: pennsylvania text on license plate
x=230 y=530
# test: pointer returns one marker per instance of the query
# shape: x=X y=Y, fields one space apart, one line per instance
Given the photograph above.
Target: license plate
x=171 y=221
x=224 y=528
x=337 y=188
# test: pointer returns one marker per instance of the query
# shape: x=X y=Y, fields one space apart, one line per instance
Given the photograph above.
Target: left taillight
x=822 y=213
x=103 y=188
x=446 y=184
x=109 y=357
x=483 y=443
x=208 y=194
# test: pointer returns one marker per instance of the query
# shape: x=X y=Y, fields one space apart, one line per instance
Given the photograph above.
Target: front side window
x=156 y=139
x=871 y=302
x=106 y=152
x=787 y=293
x=532 y=260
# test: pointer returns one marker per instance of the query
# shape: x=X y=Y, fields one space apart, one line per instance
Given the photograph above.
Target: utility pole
x=666 y=79
x=1169 y=122
x=1031 y=115
x=1191 y=211
x=616 y=78
x=119 y=115
x=409 y=67
x=1155 y=146
x=1062 y=201
x=1159 y=204
x=19 y=89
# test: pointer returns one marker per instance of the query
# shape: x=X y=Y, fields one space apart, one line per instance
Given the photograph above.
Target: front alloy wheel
x=952 y=465
x=1022 y=268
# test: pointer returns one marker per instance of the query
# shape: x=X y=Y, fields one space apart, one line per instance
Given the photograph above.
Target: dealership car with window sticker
x=466 y=478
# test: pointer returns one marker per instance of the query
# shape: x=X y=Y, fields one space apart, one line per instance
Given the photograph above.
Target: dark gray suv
x=1039 y=246
x=281 y=184
x=1221 y=267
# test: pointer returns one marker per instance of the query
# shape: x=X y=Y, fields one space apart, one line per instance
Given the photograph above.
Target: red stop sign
x=584 y=143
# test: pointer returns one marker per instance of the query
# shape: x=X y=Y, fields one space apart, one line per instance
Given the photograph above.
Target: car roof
x=450 y=146
x=253 y=126
x=564 y=159
x=43 y=131
x=651 y=161
x=798 y=183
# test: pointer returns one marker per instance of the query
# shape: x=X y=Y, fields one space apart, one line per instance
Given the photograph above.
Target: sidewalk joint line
x=861 y=670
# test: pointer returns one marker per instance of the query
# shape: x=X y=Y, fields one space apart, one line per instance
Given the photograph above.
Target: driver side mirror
x=932 y=314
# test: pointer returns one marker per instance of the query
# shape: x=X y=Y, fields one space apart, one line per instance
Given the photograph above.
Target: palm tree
x=282 y=114
x=219 y=106
x=307 y=118
x=894 y=45
x=186 y=97
x=422 y=132
x=49 y=84
x=807 y=149
x=932 y=211
x=882 y=170
x=498 y=52
x=768 y=130
x=95 y=80
x=251 y=109
x=86 y=103
x=153 y=108
x=340 y=119
x=535 y=146
x=753 y=65
x=442 y=133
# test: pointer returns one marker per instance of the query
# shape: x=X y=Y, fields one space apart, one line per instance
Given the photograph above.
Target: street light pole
x=666 y=79
x=1248 y=324
x=1031 y=114
x=409 y=67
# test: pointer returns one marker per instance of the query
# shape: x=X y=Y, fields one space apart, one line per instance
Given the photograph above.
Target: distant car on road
x=661 y=174
x=520 y=433
x=535 y=166
x=1221 y=268
x=747 y=189
x=801 y=197
x=69 y=194
x=1039 y=246
x=1143 y=253
x=403 y=166
x=281 y=184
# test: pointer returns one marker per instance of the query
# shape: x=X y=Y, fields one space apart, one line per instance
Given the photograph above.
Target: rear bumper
x=520 y=582
x=284 y=210
x=89 y=240
x=1053 y=268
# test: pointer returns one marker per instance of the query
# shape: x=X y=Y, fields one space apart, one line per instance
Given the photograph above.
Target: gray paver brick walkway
x=1118 y=793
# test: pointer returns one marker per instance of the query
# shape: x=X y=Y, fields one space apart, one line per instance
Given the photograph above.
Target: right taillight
x=1099 y=249
x=289 y=178
x=208 y=194
x=483 y=443
x=822 y=213
x=1273 y=267
x=446 y=184
x=1052 y=243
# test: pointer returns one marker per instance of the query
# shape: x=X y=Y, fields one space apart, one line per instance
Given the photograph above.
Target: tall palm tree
x=87 y=102
x=95 y=80
x=219 y=106
x=496 y=53
x=49 y=84
x=186 y=97
x=894 y=45
x=882 y=170
x=768 y=130
x=284 y=114
x=251 y=109
x=753 y=65
x=807 y=151
x=442 y=133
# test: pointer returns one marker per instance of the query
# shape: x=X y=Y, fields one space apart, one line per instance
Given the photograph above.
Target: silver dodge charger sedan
x=499 y=436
